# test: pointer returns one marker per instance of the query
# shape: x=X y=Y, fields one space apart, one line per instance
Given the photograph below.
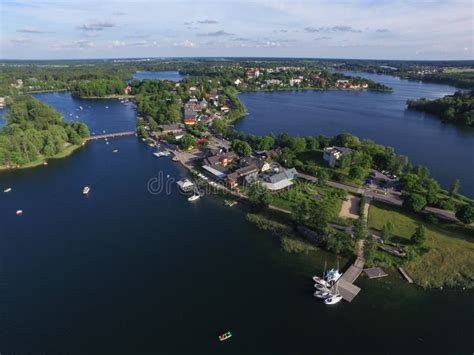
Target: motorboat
x=160 y=153
x=86 y=190
x=193 y=197
x=19 y=212
x=115 y=151
x=333 y=299
x=225 y=336
x=7 y=190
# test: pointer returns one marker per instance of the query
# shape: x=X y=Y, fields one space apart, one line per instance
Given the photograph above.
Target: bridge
x=111 y=135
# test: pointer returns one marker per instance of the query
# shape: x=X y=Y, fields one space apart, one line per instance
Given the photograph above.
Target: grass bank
x=450 y=260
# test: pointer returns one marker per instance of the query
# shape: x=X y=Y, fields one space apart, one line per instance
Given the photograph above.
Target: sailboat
x=335 y=298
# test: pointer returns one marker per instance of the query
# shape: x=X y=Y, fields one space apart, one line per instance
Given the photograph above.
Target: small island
x=457 y=108
x=35 y=132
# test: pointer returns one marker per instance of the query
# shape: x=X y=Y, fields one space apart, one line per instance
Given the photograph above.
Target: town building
x=279 y=179
x=333 y=155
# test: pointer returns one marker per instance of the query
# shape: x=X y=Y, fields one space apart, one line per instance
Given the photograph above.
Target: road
x=390 y=197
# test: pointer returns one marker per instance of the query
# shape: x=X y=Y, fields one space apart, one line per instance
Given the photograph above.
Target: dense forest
x=34 y=130
x=99 y=88
x=457 y=108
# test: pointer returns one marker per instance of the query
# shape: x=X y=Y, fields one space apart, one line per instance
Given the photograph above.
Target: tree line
x=457 y=108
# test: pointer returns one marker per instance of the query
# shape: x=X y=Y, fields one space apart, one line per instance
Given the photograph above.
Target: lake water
x=160 y=75
x=447 y=150
x=126 y=271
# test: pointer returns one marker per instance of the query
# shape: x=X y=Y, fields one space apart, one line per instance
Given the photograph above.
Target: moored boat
x=225 y=336
x=320 y=287
x=320 y=281
x=333 y=299
x=322 y=294
x=160 y=153
x=193 y=197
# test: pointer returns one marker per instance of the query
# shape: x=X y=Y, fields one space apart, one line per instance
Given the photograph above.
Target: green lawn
x=288 y=199
x=450 y=260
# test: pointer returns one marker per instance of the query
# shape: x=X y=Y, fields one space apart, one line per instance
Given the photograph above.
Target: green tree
x=360 y=228
x=419 y=237
x=370 y=250
x=414 y=202
x=265 y=143
x=298 y=144
x=357 y=172
x=187 y=142
x=242 y=148
x=259 y=196
x=340 y=243
x=219 y=126
x=454 y=188
x=466 y=213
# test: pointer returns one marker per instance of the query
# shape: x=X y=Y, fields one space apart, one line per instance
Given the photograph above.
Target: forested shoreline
x=457 y=108
x=35 y=131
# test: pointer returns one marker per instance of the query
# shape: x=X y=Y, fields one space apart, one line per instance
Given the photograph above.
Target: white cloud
x=185 y=44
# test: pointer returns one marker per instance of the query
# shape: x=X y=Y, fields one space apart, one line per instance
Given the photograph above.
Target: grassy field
x=450 y=260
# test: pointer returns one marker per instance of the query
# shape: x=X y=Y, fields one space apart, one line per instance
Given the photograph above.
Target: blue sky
x=378 y=29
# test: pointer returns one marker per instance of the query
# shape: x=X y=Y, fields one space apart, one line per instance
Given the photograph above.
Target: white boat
x=106 y=142
x=19 y=212
x=320 y=280
x=333 y=299
x=106 y=106
x=160 y=154
x=86 y=190
x=332 y=276
x=322 y=294
x=320 y=287
x=185 y=185
x=193 y=198
x=82 y=108
x=115 y=150
x=7 y=190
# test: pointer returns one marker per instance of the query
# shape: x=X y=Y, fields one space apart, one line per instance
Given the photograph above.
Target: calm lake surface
x=126 y=271
x=161 y=75
x=447 y=150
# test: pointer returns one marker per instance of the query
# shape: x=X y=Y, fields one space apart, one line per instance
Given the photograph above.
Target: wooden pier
x=405 y=275
x=345 y=285
x=111 y=135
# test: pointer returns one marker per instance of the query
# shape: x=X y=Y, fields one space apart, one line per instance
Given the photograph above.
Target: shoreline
x=65 y=153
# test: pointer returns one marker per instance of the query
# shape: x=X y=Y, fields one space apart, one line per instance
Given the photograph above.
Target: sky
x=370 y=29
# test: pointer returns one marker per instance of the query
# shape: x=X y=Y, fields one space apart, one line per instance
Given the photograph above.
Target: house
x=127 y=90
x=273 y=82
x=189 y=121
x=203 y=104
x=170 y=128
x=279 y=179
x=296 y=81
x=216 y=165
x=252 y=73
x=237 y=82
x=2 y=102
x=258 y=161
x=333 y=155
x=239 y=175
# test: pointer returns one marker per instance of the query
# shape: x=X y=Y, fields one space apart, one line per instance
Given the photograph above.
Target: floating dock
x=375 y=273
